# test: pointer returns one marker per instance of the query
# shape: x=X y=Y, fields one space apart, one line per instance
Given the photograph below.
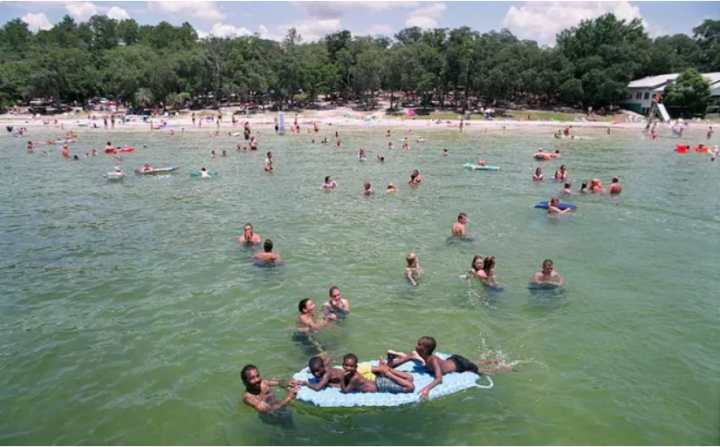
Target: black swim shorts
x=463 y=365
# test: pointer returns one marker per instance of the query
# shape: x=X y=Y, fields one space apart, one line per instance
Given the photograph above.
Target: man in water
x=257 y=391
x=547 y=276
x=249 y=237
x=269 y=162
x=458 y=228
x=267 y=256
x=615 y=187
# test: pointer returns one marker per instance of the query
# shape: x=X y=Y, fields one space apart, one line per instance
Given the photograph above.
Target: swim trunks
x=385 y=385
x=366 y=371
x=463 y=365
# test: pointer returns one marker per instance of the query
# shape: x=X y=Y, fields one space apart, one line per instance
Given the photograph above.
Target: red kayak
x=125 y=150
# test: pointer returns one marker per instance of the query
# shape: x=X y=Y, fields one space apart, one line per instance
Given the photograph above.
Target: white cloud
x=225 y=30
x=37 y=22
x=427 y=16
x=118 y=13
x=336 y=9
x=263 y=31
x=542 y=21
x=81 y=11
x=206 y=11
x=380 y=30
x=312 y=30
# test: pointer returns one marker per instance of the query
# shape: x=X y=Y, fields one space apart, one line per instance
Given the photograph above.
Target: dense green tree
x=689 y=94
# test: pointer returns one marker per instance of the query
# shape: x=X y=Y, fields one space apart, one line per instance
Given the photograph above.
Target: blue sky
x=532 y=20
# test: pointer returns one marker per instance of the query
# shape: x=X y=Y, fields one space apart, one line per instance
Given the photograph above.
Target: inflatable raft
x=473 y=167
x=561 y=206
x=332 y=397
x=155 y=171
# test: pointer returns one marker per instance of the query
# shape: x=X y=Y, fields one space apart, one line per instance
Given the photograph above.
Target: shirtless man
x=615 y=187
x=267 y=256
x=547 y=276
x=249 y=237
x=269 y=162
x=458 y=228
x=257 y=391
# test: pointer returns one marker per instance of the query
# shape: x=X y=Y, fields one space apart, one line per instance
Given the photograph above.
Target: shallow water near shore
x=128 y=309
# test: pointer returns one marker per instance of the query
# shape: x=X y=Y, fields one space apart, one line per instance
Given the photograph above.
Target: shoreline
x=267 y=122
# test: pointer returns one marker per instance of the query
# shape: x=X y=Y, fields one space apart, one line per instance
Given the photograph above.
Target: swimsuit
x=382 y=383
x=339 y=314
x=463 y=365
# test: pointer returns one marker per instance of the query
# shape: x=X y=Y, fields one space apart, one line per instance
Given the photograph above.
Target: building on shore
x=641 y=91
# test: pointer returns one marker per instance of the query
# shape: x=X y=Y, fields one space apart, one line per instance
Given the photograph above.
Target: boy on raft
x=373 y=379
x=439 y=367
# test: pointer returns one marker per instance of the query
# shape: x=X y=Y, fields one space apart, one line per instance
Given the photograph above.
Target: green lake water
x=127 y=310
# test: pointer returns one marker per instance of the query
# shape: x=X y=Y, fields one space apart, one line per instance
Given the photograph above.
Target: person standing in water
x=548 y=276
x=458 y=228
x=336 y=305
x=257 y=391
x=249 y=236
x=269 y=162
x=615 y=187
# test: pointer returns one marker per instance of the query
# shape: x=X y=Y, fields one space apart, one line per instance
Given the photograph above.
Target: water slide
x=663 y=112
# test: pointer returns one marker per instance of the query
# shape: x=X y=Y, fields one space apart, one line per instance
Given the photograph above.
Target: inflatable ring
x=560 y=206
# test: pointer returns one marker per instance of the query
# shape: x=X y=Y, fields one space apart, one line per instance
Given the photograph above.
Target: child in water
x=538 y=177
x=413 y=269
x=566 y=189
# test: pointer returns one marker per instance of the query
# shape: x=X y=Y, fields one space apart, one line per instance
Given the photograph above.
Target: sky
x=539 y=21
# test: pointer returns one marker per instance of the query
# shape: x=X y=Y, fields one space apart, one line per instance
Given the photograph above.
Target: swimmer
x=553 y=207
x=212 y=154
x=438 y=367
x=458 y=228
x=390 y=145
x=30 y=149
x=269 y=162
x=75 y=157
x=94 y=153
x=109 y=147
x=558 y=134
x=547 y=275
x=481 y=162
x=367 y=188
x=224 y=153
x=596 y=186
x=65 y=152
x=387 y=134
x=391 y=188
x=561 y=174
x=583 y=189
x=338 y=144
x=326 y=375
x=305 y=324
x=476 y=266
x=712 y=158
x=361 y=155
x=415 y=178
x=249 y=237
x=413 y=269
x=336 y=305
x=147 y=168
x=267 y=256
x=566 y=189
x=538 y=177
x=615 y=187
x=204 y=173
x=566 y=131
x=329 y=183
x=540 y=155
x=556 y=154
x=444 y=152
x=375 y=379
x=257 y=391
x=487 y=273
x=710 y=133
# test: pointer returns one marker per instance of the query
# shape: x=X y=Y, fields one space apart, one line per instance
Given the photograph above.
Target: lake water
x=127 y=310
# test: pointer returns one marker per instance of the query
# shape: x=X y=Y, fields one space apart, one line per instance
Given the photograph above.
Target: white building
x=641 y=91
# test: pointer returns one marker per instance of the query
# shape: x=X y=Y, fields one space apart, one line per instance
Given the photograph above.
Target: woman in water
x=538 y=177
x=487 y=273
x=391 y=188
x=476 y=266
x=561 y=174
x=415 y=178
x=583 y=189
x=566 y=189
x=367 y=188
x=329 y=183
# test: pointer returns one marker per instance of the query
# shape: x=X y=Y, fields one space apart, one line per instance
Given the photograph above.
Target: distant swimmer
x=65 y=152
x=415 y=178
x=367 y=188
x=147 y=168
x=257 y=391
x=566 y=131
x=387 y=134
x=361 y=155
x=329 y=183
x=596 y=186
x=541 y=156
x=566 y=190
x=204 y=173
x=249 y=236
x=306 y=325
x=336 y=305
x=390 y=145
x=444 y=152
x=413 y=269
x=615 y=187
x=538 y=176
x=267 y=256
x=710 y=133
x=548 y=276
x=391 y=188
x=212 y=154
x=380 y=157
x=561 y=174
x=553 y=207
x=458 y=228
x=269 y=162
x=584 y=188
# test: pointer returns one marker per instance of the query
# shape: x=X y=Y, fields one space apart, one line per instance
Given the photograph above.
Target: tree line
x=590 y=66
